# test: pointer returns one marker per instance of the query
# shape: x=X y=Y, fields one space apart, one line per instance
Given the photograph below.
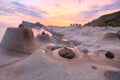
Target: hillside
x=112 y=19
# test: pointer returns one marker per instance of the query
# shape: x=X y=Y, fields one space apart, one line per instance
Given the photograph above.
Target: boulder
x=66 y=53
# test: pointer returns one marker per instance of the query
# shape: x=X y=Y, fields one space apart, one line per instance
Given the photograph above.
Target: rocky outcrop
x=19 y=39
x=111 y=36
x=39 y=24
x=112 y=19
x=31 y=25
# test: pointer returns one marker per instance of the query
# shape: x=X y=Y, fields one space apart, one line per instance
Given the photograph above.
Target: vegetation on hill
x=112 y=19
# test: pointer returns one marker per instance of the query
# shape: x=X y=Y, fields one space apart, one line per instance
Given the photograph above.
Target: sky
x=54 y=12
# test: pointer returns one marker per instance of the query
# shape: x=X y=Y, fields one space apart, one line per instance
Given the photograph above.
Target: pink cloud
x=54 y=11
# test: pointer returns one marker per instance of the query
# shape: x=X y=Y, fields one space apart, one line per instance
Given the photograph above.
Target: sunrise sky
x=54 y=12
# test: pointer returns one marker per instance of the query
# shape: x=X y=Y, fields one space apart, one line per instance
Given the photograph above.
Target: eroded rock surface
x=45 y=63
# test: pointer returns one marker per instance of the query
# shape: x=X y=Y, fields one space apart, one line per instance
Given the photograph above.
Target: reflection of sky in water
x=2 y=31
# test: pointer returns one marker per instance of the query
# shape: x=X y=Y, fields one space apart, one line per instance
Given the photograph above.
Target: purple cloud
x=90 y=14
x=18 y=4
x=115 y=5
x=5 y=11
x=21 y=8
x=24 y=9
x=94 y=12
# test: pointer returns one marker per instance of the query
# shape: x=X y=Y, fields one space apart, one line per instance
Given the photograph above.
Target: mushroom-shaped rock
x=43 y=33
x=44 y=37
x=66 y=53
x=19 y=39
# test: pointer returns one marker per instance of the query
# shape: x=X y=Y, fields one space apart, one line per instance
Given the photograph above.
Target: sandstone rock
x=52 y=48
x=111 y=36
x=118 y=33
x=112 y=75
x=44 y=37
x=31 y=25
x=19 y=39
x=76 y=43
x=39 y=24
